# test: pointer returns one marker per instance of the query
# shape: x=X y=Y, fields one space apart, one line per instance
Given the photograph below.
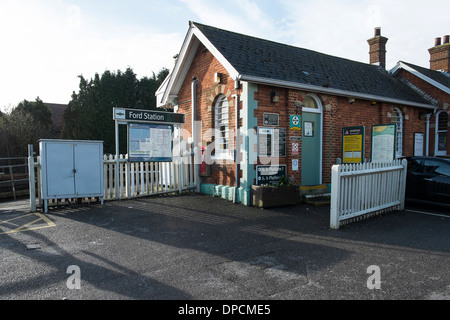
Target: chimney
x=440 y=54
x=377 y=51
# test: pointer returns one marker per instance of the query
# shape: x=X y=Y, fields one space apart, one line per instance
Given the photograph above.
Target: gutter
x=338 y=92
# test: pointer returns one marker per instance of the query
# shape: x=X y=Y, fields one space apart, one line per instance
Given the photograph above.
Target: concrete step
x=319 y=199
x=315 y=195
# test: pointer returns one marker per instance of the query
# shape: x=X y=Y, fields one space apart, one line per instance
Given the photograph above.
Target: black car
x=428 y=179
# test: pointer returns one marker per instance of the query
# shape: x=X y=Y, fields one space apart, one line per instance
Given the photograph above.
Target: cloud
x=48 y=44
x=242 y=16
x=341 y=28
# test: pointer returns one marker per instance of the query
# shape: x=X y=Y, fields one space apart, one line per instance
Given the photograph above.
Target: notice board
x=383 y=142
x=150 y=142
x=271 y=142
x=418 y=143
x=353 y=144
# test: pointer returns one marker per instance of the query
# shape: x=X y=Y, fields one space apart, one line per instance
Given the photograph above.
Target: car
x=428 y=179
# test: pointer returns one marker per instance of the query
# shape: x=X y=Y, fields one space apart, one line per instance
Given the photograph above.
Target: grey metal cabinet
x=71 y=169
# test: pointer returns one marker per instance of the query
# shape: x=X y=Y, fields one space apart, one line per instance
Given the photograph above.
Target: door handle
x=74 y=170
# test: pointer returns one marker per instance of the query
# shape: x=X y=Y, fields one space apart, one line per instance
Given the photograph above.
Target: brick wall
x=440 y=96
x=337 y=113
x=440 y=57
x=203 y=67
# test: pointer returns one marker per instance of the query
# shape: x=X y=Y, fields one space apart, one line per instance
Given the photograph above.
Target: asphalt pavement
x=197 y=247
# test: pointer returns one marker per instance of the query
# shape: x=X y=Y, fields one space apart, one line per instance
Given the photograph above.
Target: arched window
x=397 y=118
x=221 y=130
x=311 y=104
x=441 y=133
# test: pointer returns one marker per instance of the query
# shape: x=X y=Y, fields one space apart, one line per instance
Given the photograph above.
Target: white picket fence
x=139 y=179
x=363 y=190
x=136 y=179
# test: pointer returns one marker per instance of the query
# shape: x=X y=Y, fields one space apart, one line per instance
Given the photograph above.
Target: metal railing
x=13 y=177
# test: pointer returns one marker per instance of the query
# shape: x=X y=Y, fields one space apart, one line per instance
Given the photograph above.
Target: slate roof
x=257 y=57
x=438 y=76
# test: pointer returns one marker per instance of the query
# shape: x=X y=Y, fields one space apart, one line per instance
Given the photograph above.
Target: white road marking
x=428 y=213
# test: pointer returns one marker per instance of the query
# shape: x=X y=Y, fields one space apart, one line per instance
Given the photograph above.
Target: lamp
x=275 y=96
x=351 y=100
x=217 y=77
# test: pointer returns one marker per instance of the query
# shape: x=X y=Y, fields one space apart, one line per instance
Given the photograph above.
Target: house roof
x=57 y=113
x=267 y=62
x=438 y=79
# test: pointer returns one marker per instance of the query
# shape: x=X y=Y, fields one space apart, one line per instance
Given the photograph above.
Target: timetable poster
x=383 y=142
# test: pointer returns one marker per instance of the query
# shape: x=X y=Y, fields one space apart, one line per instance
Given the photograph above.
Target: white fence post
x=403 y=183
x=335 y=198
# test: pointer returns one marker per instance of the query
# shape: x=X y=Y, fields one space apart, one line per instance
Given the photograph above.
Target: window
x=437 y=168
x=441 y=133
x=221 y=131
x=397 y=118
x=310 y=103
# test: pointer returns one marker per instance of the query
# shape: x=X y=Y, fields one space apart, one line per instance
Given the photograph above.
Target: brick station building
x=292 y=105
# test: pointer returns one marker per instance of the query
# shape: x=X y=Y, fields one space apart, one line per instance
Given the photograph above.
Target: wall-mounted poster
x=271 y=142
x=308 y=129
x=149 y=142
x=294 y=164
x=353 y=144
x=271 y=119
x=383 y=142
x=418 y=144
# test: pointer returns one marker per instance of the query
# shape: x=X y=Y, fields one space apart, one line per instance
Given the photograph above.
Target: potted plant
x=281 y=194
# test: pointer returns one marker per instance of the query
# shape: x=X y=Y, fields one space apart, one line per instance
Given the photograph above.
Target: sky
x=47 y=44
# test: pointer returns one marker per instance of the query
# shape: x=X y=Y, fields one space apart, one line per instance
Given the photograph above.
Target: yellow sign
x=353 y=144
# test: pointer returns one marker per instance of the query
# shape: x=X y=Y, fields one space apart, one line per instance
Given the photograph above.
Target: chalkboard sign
x=270 y=174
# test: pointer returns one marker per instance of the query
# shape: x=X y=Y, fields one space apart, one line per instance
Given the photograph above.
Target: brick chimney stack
x=377 y=51
x=440 y=54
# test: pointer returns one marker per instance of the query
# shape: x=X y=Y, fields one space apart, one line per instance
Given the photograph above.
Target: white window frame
x=436 y=139
x=222 y=136
x=399 y=133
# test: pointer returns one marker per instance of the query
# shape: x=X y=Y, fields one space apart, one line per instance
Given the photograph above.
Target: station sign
x=139 y=115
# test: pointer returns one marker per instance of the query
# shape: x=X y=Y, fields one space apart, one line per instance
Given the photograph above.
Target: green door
x=311 y=155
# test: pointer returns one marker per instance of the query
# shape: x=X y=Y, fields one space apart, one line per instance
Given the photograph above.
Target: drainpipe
x=194 y=133
x=427 y=141
x=237 y=137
